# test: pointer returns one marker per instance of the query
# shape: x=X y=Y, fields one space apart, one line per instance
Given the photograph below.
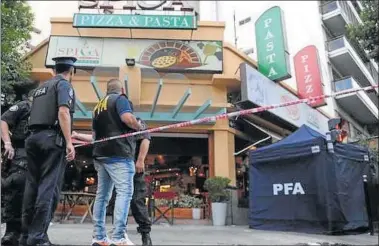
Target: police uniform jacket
x=44 y=112
x=17 y=119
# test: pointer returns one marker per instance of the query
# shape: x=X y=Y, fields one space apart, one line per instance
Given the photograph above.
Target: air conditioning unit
x=248 y=51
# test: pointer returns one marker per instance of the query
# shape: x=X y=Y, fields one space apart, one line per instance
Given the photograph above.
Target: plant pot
x=196 y=213
x=219 y=213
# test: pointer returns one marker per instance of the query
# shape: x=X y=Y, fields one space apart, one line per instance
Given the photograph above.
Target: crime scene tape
x=228 y=115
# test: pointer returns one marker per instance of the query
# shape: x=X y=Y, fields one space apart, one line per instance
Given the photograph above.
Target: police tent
x=296 y=184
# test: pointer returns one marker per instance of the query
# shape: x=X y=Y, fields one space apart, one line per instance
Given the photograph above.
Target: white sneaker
x=122 y=242
x=102 y=242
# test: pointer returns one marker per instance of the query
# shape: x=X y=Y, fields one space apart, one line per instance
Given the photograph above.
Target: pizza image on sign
x=164 y=61
x=170 y=55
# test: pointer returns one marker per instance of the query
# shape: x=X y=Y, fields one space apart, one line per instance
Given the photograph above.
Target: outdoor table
x=73 y=198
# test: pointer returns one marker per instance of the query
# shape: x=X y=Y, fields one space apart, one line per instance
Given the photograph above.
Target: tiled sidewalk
x=164 y=234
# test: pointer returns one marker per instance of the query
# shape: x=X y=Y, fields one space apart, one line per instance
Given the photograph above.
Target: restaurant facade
x=173 y=76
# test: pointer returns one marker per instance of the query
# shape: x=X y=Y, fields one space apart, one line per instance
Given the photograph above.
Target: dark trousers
x=13 y=190
x=138 y=205
x=46 y=166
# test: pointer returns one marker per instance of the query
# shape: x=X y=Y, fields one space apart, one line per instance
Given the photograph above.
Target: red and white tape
x=233 y=114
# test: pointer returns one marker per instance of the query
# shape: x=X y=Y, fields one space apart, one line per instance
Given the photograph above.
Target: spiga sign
x=271 y=41
x=308 y=75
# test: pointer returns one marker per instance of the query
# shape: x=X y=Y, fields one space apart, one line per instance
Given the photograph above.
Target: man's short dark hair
x=62 y=68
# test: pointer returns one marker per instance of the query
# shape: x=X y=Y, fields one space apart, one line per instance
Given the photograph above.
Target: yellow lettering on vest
x=101 y=106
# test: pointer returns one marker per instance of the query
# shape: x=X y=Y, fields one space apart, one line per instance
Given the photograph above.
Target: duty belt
x=38 y=128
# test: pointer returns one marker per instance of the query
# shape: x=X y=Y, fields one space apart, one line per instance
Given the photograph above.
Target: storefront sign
x=308 y=75
x=135 y=21
x=270 y=35
x=163 y=55
x=258 y=89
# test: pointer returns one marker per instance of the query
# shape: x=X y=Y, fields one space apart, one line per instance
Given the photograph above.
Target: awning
x=267 y=132
x=266 y=136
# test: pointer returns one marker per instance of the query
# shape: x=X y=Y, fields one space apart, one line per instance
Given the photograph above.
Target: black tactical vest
x=44 y=112
x=21 y=131
x=107 y=123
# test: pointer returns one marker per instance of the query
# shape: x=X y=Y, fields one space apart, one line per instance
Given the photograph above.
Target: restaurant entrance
x=177 y=163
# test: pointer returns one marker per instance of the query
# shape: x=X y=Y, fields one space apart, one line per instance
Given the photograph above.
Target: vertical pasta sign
x=308 y=75
x=272 y=51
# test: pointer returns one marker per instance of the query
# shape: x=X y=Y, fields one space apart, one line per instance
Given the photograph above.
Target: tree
x=16 y=26
x=372 y=145
x=367 y=33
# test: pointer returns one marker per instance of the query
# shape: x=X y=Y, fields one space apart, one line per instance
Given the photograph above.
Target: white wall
x=303 y=26
x=44 y=11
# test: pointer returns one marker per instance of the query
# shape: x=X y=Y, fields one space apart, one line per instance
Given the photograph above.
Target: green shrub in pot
x=216 y=186
x=186 y=201
x=219 y=196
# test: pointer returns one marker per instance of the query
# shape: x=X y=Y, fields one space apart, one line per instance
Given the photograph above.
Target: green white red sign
x=308 y=75
x=134 y=21
x=271 y=41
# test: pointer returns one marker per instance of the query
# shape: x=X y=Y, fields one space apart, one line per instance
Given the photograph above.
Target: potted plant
x=219 y=196
x=196 y=210
x=186 y=201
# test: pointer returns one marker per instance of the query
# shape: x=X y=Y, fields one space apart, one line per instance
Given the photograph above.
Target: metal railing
x=328 y=7
x=343 y=84
x=336 y=43
x=342 y=41
x=348 y=13
x=352 y=17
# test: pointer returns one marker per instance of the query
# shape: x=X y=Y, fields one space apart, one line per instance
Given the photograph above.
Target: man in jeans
x=114 y=162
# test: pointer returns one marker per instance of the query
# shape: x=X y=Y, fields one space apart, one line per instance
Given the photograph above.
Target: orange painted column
x=224 y=163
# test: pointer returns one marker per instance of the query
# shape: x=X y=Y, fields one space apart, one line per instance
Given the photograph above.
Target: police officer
x=138 y=205
x=14 y=120
x=48 y=148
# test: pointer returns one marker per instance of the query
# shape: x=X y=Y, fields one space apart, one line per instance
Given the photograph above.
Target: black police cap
x=67 y=60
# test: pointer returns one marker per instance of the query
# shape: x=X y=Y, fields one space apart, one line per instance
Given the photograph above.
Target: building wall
x=304 y=26
x=142 y=89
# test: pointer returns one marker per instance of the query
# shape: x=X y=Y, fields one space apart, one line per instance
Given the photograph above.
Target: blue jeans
x=119 y=174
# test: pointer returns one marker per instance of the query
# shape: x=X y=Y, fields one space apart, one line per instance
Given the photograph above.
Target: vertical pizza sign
x=308 y=75
x=271 y=41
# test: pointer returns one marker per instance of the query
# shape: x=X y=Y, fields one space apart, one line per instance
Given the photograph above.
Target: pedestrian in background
x=138 y=204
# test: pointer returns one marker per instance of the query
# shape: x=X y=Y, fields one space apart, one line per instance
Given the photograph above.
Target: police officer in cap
x=14 y=120
x=48 y=148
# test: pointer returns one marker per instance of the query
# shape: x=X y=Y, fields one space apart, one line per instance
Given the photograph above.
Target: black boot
x=146 y=240
x=10 y=236
x=9 y=239
x=23 y=239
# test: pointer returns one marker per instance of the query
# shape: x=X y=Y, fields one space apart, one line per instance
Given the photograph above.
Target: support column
x=224 y=164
